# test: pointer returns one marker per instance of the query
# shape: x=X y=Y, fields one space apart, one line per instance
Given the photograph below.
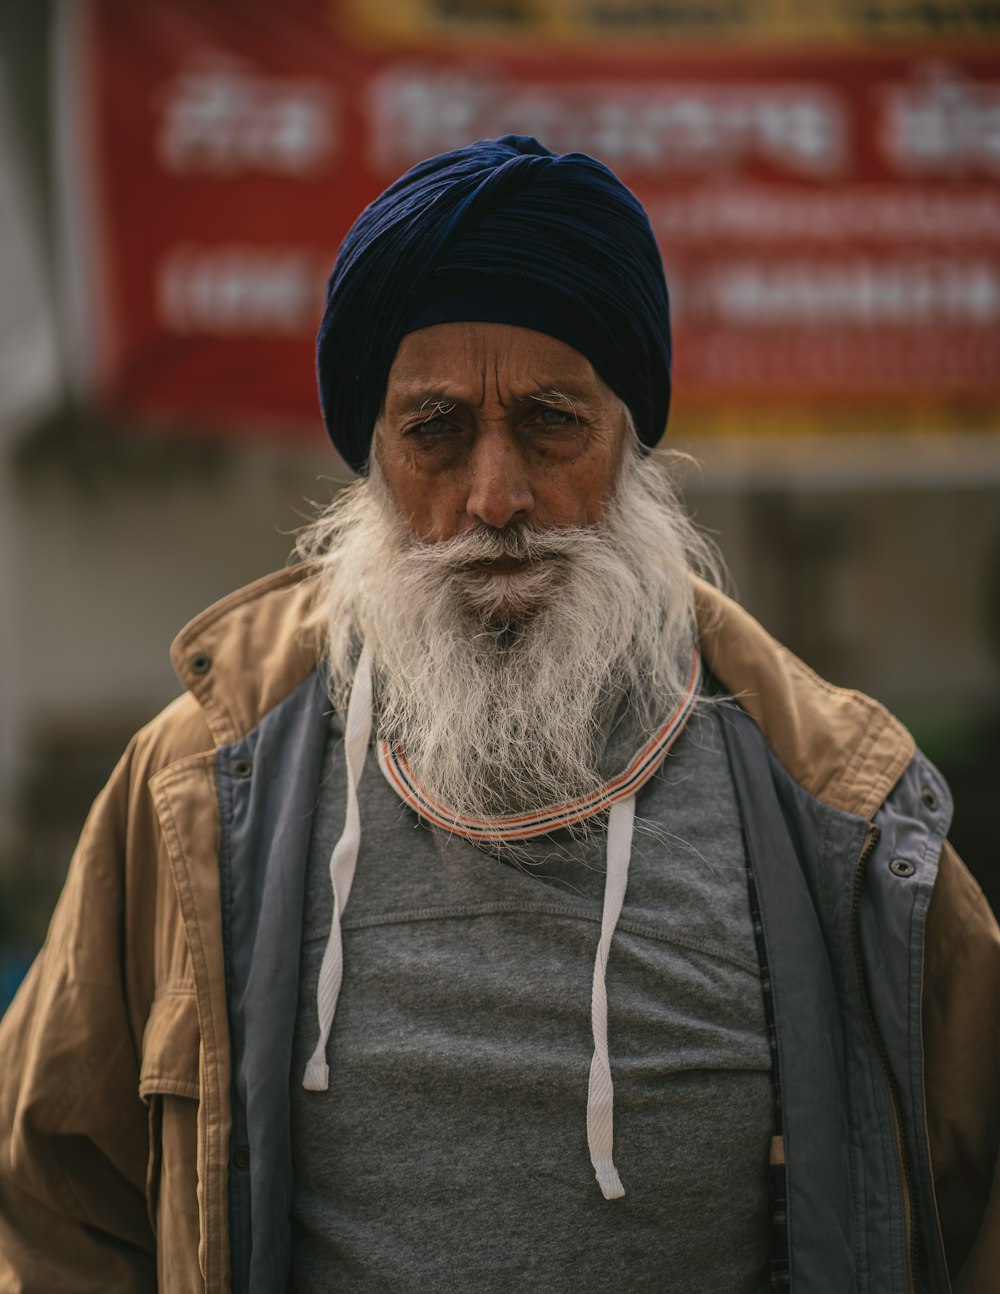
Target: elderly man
x=491 y=852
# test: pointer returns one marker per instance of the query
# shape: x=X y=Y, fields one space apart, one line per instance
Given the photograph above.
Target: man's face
x=490 y=424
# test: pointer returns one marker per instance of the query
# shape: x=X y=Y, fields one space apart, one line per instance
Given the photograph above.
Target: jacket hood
x=246 y=653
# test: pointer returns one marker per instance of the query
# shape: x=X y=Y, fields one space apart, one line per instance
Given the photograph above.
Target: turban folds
x=502 y=231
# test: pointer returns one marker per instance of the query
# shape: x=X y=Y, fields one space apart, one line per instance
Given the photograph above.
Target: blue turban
x=503 y=231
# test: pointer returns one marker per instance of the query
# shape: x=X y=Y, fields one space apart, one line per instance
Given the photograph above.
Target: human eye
x=428 y=433
x=433 y=421
x=435 y=426
x=550 y=421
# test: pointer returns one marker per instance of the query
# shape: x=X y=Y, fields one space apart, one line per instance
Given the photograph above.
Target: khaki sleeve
x=962 y=1073
x=73 y=1130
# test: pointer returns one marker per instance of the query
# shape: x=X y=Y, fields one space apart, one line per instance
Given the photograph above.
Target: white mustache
x=517 y=542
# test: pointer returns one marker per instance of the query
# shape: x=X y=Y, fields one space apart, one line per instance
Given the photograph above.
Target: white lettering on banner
x=221 y=117
x=885 y=214
x=943 y=123
x=913 y=294
x=650 y=128
x=239 y=290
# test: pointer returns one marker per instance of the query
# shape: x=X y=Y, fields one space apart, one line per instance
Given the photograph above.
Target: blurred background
x=176 y=176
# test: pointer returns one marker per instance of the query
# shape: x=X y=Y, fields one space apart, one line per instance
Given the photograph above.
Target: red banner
x=830 y=223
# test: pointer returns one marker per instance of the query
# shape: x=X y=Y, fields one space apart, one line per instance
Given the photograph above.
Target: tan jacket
x=114 y=1057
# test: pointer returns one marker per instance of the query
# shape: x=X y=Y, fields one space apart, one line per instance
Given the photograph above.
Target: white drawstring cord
x=342 y=864
x=600 y=1092
x=621 y=818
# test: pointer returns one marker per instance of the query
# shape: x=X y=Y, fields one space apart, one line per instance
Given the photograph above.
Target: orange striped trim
x=644 y=764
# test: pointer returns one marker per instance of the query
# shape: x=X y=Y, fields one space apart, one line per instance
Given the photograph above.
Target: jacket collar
x=248 y=652
x=840 y=745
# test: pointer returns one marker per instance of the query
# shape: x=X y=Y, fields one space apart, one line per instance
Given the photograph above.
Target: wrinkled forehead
x=489 y=365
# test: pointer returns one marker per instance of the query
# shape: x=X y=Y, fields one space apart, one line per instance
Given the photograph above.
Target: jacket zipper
x=872 y=834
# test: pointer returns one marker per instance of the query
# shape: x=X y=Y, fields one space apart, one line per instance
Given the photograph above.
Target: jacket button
x=929 y=799
x=242 y=768
x=200 y=663
x=901 y=867
x=241 y=1157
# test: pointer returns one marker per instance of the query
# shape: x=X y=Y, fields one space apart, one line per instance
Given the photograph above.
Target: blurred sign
x=829 y=219
x=772 y=22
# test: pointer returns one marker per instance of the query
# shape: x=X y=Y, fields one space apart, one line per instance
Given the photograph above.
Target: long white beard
x=501 y=688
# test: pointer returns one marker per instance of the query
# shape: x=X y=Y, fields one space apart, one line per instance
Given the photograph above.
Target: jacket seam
x=210 y=1031
x=164 y=1085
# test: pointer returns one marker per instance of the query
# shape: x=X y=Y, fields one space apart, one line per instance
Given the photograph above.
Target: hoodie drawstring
x=343 y=861
x=621 y=820
x=600 y=1091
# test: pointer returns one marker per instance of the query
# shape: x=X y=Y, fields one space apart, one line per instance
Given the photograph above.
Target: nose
x=499 y=486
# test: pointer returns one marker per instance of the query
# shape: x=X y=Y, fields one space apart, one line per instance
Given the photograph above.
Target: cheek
x=408 y=494
x=432 y=512
x=579 y=498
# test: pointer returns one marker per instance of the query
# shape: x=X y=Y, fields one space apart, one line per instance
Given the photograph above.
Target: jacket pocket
x=168 y=1083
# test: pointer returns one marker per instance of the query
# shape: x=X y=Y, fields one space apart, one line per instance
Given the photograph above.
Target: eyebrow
x=430 y=402
x=434 y=404
x=554 y=397
x=424 y=401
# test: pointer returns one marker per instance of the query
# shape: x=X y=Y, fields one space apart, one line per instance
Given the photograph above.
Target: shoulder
x=237 y=660
x=840 y=745
x=247 y=652
x=961 y=1060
